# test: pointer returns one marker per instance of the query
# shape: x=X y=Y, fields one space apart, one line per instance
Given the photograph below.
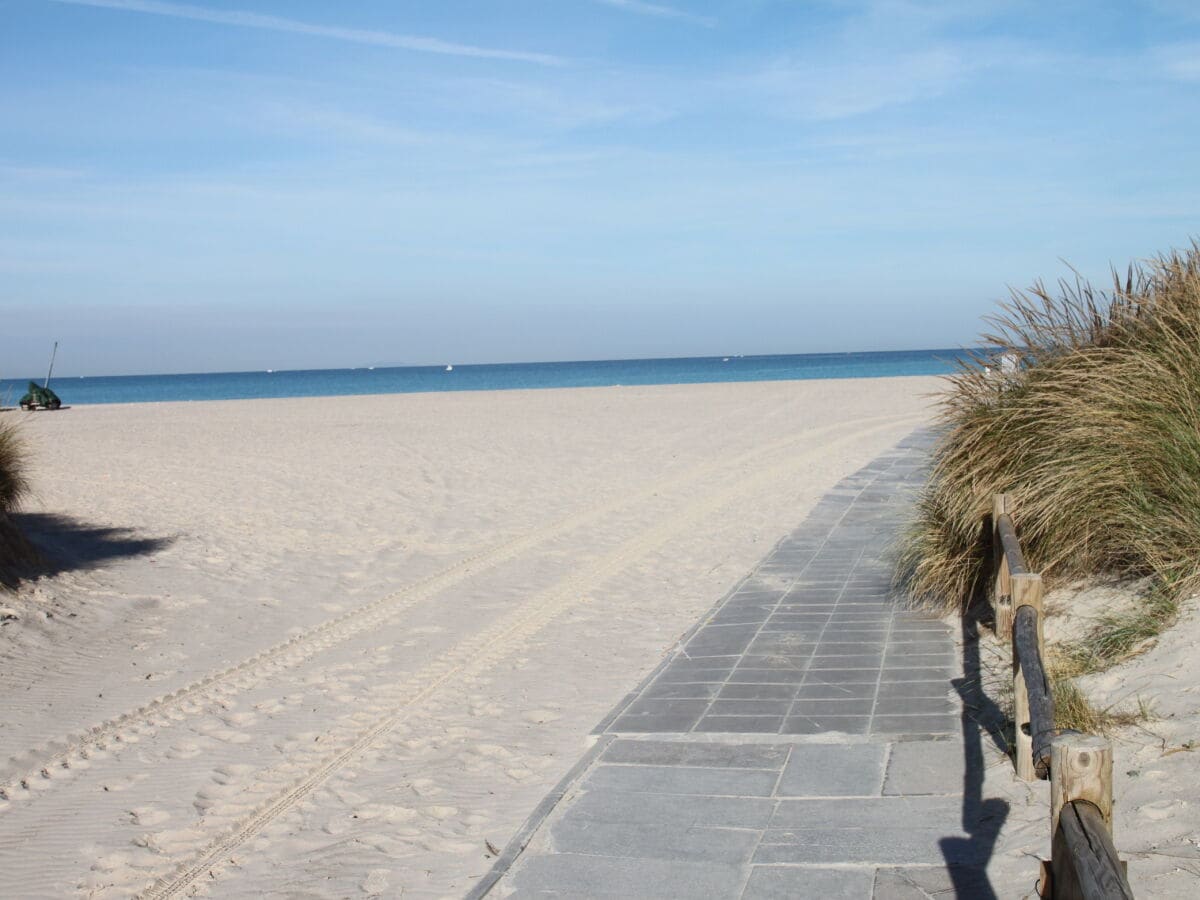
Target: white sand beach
x=344 y=646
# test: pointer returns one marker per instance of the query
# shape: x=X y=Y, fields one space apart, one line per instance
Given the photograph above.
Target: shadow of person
x=43 y=544
x=982 y=819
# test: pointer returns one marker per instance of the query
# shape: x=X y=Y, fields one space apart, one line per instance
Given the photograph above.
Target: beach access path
x=805 y=739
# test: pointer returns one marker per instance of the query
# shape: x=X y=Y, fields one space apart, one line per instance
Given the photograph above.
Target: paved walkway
x=804 y=741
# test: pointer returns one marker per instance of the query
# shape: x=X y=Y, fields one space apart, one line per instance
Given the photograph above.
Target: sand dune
x=330 y=647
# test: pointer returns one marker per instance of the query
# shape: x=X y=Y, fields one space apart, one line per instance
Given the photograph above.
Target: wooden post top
x=1080 y=769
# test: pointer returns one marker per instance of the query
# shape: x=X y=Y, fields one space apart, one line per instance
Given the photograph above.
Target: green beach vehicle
x=40 y=398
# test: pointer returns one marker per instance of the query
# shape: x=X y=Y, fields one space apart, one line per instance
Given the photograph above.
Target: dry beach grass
x=1095 y=434
x=15 y=550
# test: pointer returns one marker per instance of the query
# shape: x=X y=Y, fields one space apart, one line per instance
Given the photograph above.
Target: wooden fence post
x=1001 y=588
x=1026 y=591
x=1081 y=774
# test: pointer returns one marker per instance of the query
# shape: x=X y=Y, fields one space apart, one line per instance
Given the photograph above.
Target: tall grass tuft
x=1095 y=433
x=15 y=550
x=13 y=483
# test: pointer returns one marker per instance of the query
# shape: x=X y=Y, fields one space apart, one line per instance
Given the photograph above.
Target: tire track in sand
x=474 y=656
x=57 y=760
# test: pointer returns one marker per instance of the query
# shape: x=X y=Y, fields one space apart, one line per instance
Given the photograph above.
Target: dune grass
x=1095 y=435
x=13 y=483
x=15 y=550
x=1073 y=710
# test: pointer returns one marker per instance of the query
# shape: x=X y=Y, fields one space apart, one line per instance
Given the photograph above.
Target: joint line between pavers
x=762 y=833
x=887 y=764
x=882 y=661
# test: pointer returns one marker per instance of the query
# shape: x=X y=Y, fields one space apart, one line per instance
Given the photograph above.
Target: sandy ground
x=342 y=647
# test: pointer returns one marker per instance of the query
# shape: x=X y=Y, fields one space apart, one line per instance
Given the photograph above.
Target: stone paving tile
x=569 y=875
x=740 y=724
x=818 y=770
x=704 y=781
x=653 y=841
x=921 y=884
x=925 y=767
x=791 y=882
x=914 y=725
x=673 y=809
x=679 y=753
x=823 y=724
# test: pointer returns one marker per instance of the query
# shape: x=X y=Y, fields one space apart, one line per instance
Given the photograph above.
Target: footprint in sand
x=1159 y=809
x=229 y=736
x=231 y=773
x=425 y=787
x=148 y=815
x=338 y=825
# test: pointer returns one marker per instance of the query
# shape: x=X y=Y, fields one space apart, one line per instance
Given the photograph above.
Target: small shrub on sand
x=1072 y=709
x=1118 y=636
x=12 y=467
x=15 y=550
x=1095 y=433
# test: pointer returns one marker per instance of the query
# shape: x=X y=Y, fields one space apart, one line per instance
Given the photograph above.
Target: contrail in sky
x=244 y=19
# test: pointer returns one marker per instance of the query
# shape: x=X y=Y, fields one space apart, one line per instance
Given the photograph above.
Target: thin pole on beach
x=53 y=353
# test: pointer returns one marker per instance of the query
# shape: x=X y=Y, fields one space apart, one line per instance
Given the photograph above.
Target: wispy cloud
x=1179 y=62
x=660 y=11
x=245 y=19
x=827 y=89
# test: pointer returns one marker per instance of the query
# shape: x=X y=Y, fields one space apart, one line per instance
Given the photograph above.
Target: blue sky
x=253 y=184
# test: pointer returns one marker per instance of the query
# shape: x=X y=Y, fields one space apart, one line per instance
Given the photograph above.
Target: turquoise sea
x=492 y=377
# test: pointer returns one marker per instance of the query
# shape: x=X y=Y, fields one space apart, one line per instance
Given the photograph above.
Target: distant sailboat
x=449 y=368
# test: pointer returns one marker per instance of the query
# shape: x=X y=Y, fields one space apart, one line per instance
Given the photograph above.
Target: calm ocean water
x=504 y=376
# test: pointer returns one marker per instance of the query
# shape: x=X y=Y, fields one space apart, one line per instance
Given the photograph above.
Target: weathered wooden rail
x=1083 y=860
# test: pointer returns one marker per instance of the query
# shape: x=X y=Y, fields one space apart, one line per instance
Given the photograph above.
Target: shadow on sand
x=42 y=544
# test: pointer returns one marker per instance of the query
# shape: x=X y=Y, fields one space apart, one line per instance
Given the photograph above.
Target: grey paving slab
x=680 y=753
x=866 y=845
x=717 y=724
x=683 y=780
x=660 y=724
x=838 y=814
x=822 y=724
x=677 y=810
x=803 y=742
x=653 y=841
x=925 y=767
x=827 y=770
x=911 y=883
x=911 y=725
x=579 y=876
x=792 y=882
